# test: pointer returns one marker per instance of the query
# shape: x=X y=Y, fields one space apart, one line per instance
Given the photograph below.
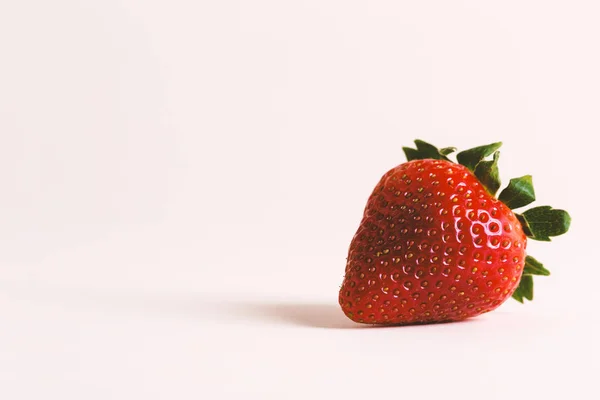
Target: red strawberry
x=435 y=244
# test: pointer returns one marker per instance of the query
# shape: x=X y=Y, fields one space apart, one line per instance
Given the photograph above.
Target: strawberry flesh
x=433 y=246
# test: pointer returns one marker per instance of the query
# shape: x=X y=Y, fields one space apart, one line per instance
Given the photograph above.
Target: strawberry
x=436 y=245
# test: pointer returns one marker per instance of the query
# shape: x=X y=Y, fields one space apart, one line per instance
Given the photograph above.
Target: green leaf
x=534 y=267
x=447 y=150
x=540 y=223
x=470 y=158
x=424 y=150
x=518 y=193
x=525 y=289
x=428 y=149
x=411 y=154
x=487 y=173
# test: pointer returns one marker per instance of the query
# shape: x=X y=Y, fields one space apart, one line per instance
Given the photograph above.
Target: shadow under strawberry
x=316 y=315
x=313 y=315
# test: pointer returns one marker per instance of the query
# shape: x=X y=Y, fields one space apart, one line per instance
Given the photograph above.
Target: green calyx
x=425 y=150
x=539 y=223
x=525 y=289
x=470 y=158
x=488 y=174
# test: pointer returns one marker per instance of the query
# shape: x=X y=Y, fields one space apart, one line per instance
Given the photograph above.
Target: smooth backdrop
x=180 y=181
